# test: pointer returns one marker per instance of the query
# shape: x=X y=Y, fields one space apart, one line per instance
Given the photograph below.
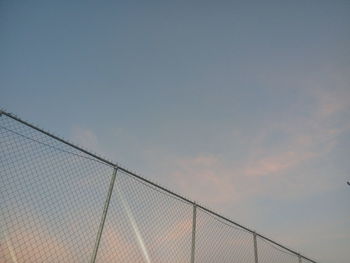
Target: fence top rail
x=118 y=167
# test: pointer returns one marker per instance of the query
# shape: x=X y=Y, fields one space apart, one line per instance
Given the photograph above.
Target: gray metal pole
x=104 y=215
x=299 y=256
x=193 y=248
x=255 y=248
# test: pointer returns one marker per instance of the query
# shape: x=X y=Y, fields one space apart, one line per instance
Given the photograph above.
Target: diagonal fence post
x=104 y=215
x=193 y=247
x=255 y=248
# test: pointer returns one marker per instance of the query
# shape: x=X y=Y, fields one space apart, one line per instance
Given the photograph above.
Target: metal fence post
x=299 y=258
x=255 y=248
x=104 y=215
x=193 y=248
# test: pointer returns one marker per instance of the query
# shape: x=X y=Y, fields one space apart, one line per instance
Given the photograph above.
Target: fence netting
x=145 y=224
x=53 y=197
x=270 y=253
x=220 y=241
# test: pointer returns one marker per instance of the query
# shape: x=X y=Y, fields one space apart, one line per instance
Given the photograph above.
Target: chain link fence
x=61 y=203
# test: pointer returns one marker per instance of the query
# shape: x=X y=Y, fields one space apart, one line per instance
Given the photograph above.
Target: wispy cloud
x=203 y=177
x=86 y=138
x=276 y=164
x=310 y=132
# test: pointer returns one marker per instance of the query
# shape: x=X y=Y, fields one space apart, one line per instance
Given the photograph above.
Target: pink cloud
x=33 y=244
x=276 y=164
x=113 y=246
x=203 y=174
x=179 y=230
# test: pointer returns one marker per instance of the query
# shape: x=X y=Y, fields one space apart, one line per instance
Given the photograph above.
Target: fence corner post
x=104 y=215
x=194 y=219
x=255 y=248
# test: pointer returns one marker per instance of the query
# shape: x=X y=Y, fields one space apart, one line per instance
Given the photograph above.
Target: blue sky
x=242 y=106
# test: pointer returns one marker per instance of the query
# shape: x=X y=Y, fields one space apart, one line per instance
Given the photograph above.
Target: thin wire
x=224 y=222
x=156 y=188
x=278 y=248
x=91 y=159
x=53 y=147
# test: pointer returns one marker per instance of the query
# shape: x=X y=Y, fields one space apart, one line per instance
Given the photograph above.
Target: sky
x=243 y=106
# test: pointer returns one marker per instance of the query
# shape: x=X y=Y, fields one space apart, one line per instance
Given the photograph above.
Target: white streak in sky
x=12 y=251
x=134 y=226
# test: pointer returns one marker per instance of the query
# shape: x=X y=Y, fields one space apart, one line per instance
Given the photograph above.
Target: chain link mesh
x=53 y=196
x=145 y=224
x=221 y=241
x=270 y=253
x=51 y=200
